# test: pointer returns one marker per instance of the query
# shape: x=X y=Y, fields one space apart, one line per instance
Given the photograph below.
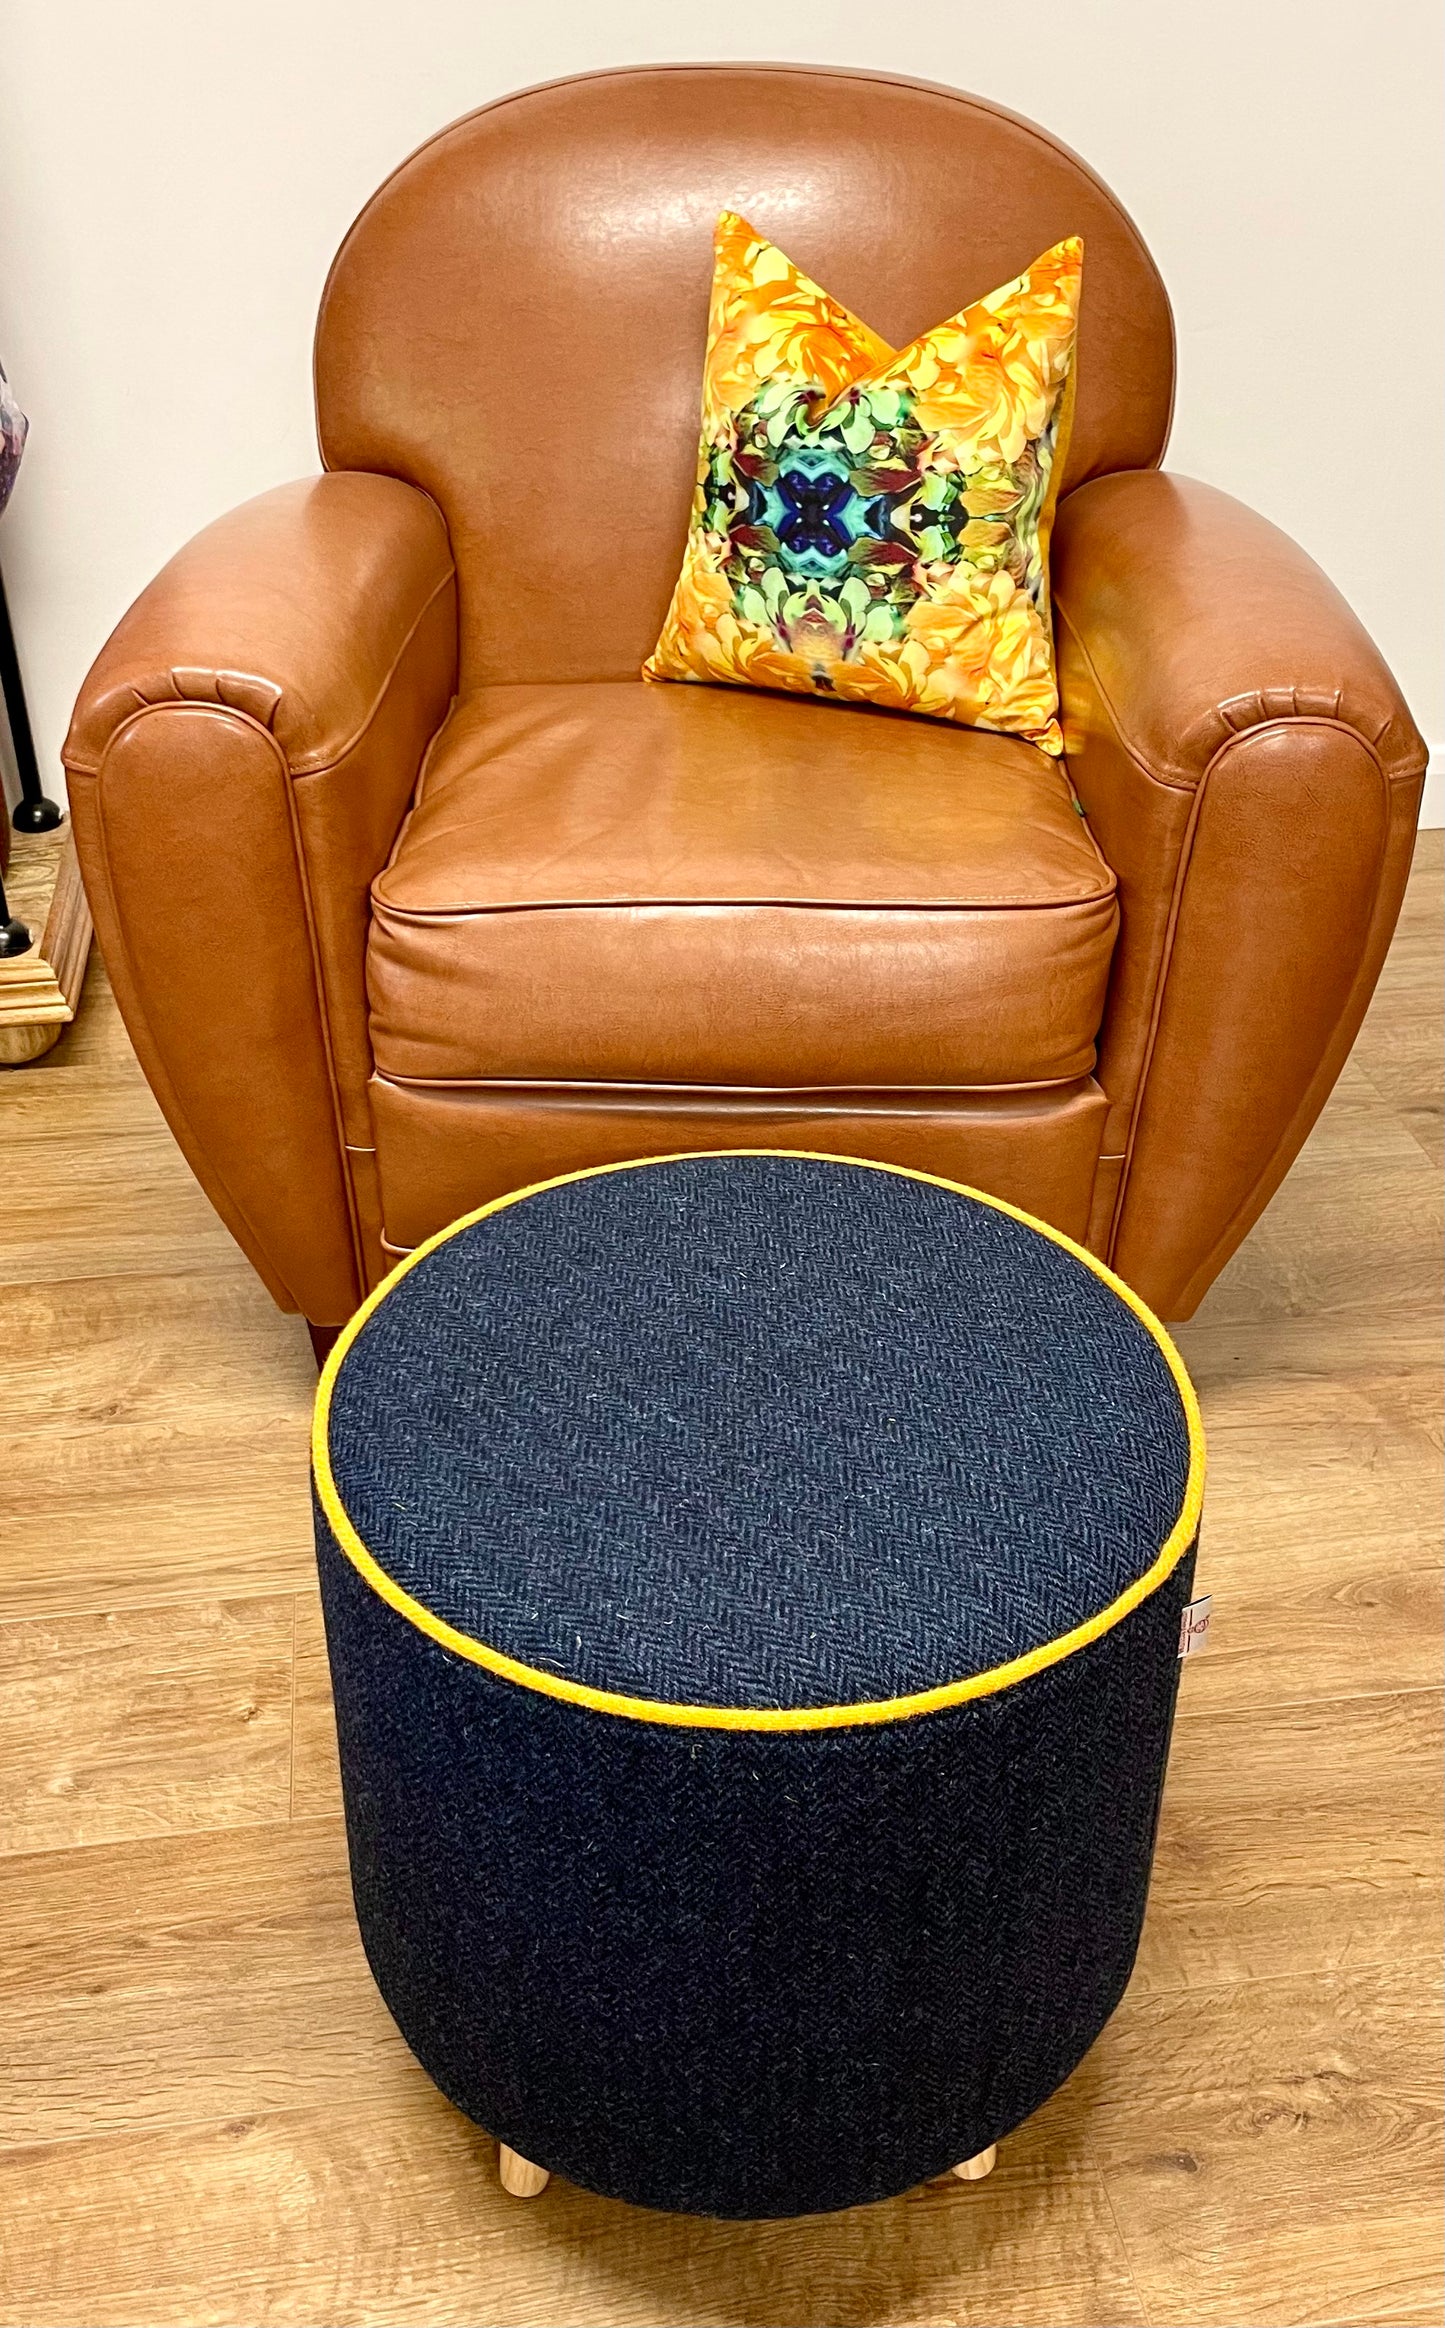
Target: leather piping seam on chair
x=412 y=806
x=1179 y=779
x=1156 y=1006
x=323 y=1014
x=1207 y=1268
x=331 y=756
x=312 y=765
x=959 y=97
x=835 y=1096
x=423 y=916
x=1166 y=953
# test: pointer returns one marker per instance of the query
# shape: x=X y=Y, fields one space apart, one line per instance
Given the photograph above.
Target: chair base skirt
x=445 y=1149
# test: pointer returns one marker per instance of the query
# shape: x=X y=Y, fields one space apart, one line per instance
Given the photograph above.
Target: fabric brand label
x=1194 y=1626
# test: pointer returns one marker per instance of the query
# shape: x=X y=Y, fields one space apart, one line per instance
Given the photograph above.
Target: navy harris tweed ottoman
x=753 y=1587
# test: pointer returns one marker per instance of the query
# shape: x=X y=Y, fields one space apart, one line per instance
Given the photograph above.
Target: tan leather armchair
x=412 y=892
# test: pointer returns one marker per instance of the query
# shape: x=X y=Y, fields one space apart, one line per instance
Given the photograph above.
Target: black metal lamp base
x=14 y=939
x=40 y=815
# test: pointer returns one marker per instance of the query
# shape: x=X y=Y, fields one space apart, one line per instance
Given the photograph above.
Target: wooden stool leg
x=974 y=2169
x=518 y=2174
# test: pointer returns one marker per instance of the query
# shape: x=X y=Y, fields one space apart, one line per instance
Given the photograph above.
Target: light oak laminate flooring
x=206 y=2114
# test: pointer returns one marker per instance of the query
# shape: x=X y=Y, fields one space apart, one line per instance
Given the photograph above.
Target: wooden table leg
x=974 y=2169
x=518 y=2174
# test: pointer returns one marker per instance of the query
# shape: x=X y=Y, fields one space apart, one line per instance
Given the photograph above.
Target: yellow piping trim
x=606 y=1701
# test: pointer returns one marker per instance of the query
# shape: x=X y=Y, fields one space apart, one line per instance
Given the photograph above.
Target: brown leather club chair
x=413 y=892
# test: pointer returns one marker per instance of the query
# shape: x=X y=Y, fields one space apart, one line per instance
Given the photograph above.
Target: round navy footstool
x=753 y=1588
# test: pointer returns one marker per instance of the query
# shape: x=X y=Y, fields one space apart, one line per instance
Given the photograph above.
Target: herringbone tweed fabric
x=747 y=1973
x=758 y=1431
x=758 y=1434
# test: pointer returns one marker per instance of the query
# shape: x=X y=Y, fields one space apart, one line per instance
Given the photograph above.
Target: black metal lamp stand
x=33 y=812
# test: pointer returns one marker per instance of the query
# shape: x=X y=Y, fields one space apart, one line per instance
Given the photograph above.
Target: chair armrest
x=1252 y=775
x=240 y=759
x=294 y=610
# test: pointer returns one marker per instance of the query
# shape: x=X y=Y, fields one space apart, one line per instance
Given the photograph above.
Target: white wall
x=175 y=175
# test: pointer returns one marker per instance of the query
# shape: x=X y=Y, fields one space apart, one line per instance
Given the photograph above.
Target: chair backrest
x=516 y=321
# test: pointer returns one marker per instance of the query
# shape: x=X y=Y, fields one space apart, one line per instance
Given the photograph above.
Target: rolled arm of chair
x=1252 y=774
x=240 y=759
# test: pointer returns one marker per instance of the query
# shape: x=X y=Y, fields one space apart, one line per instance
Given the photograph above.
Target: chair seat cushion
x=614 y=882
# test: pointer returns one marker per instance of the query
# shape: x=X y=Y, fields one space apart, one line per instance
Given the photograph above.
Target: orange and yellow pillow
x=872 y=525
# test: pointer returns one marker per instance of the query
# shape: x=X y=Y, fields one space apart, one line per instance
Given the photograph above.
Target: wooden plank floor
x=205 y=2114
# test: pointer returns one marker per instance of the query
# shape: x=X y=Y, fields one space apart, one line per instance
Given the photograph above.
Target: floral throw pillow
x=872 y=525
